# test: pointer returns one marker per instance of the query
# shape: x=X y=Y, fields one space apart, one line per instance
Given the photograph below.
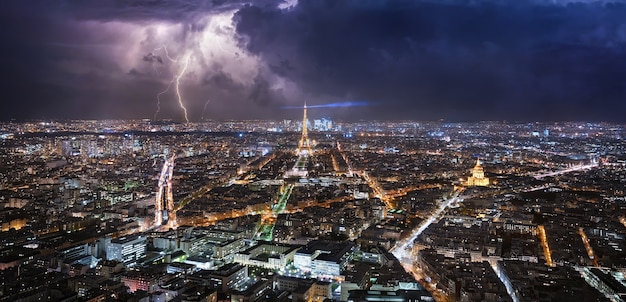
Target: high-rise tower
x=304 y=146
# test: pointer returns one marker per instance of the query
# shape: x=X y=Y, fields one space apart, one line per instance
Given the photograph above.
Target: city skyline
x=270 y=211
x=313 y=150
x=416 y=60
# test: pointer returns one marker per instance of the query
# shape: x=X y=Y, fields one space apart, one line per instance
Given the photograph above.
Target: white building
x=271 y=256
x=127 y=249
x=324 y=259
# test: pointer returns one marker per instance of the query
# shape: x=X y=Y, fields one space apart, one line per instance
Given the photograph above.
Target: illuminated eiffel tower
x=304 y=146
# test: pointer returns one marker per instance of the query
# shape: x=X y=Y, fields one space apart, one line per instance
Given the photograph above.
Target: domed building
x=478 y=178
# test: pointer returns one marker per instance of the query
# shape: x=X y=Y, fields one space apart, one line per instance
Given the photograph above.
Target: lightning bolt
x=157 y=59
x=154 y=68
x=159 y=98
x=175 y=80
x=169 y=85
x=167 y=54
x=203 y=110
x=178 y=95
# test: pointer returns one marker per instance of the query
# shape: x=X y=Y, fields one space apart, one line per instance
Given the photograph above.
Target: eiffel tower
x=304 y=146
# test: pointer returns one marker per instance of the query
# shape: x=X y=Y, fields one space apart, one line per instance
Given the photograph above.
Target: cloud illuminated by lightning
x=182 y=57
x=288 y=4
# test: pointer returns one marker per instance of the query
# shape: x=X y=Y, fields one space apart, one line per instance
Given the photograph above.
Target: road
x=588 y=247
x=268 y=221
x=543 y=237
x=402 y=249
x=564 y=171
x=378 y=190
x=399 y=250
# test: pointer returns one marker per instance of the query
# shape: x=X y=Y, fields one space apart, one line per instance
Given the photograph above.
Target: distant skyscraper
x=323 y=124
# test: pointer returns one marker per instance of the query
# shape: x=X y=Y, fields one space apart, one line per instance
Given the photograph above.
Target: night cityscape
x=314 y=151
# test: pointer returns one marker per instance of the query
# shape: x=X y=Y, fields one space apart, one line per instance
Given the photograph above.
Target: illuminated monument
x=164 y=203
x=478 y=178
x=304 y=146
x=304 y=150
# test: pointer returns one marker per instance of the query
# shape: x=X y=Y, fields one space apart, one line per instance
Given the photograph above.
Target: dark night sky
x=458 y=60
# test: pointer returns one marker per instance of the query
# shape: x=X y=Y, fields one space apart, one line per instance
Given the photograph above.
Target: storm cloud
x=457 y=60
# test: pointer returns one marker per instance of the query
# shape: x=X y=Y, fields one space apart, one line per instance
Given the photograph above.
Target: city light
x=429 y=151
x=230 y=198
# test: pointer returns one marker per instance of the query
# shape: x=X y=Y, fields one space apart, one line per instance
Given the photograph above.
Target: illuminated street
x=266 y=229
x=588 y=247
x=403 y=250
x=541 y=232
x=400 y=249
x=581 y=167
